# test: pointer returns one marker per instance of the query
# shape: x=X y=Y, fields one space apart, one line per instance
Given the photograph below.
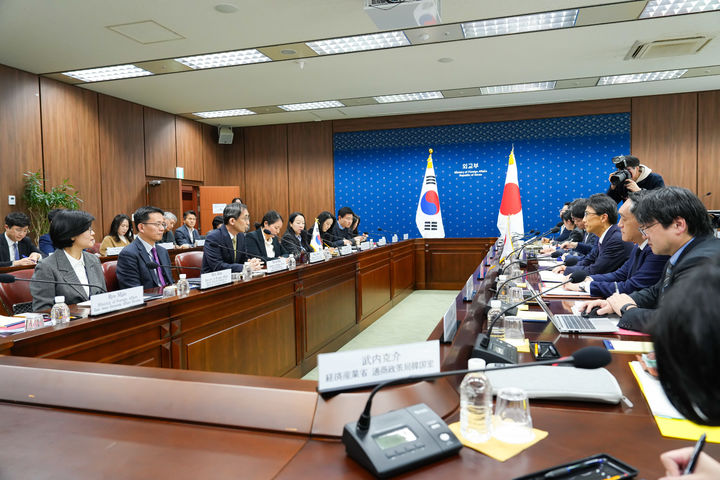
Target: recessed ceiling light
x=294 y=107
x=226 y=8
x=108 y=73
x=224 y=113
x=524 y=23
x=641 y=77
x=517 y=88
x=224 y=59
x=359 y=43
x=445 y=60
x=288 y=51
x=664 y=8
x=408 y=97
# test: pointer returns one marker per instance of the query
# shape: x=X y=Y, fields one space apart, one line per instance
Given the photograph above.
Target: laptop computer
x=569 y=323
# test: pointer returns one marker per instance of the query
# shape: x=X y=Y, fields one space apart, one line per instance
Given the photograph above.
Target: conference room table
x=79 y=419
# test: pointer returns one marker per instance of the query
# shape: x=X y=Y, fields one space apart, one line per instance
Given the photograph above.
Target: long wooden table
x=73 y=419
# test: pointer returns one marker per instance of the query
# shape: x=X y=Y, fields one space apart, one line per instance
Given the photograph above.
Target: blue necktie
x=17 y=252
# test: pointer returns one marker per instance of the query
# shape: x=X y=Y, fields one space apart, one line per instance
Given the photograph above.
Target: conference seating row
x=15 y=298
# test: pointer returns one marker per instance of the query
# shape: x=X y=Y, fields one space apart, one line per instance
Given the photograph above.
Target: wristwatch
x=627 y=307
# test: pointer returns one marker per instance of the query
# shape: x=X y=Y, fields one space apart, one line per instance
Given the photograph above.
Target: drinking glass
x=512 y=422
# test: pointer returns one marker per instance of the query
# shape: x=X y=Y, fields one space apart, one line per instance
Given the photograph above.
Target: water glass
x=516 y=295
x=514 y=332
x=33 y=321
x=169 y=291
x=512 y=422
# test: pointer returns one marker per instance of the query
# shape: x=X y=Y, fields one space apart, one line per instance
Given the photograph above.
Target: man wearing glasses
x=611 y=251
x=143 y=262
x=675 y=223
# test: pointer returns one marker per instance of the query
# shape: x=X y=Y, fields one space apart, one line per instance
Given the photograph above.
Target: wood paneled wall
x=160 y=148
x=708 y=152
x=664 y=136
x=266 y=171
x=20 y=134
x=70 y=141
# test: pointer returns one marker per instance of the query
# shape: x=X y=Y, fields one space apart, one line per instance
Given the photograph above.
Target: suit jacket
x=218 y=251
x=607 y=256
x=587 y=243
x=695 y=254
x=25 y=247
x=335 y=236
x=132 y=269
x=182 y=235
x=255 y=242
x=292 y=245
x=564 y=234
x=57 y=268
x=168 y=236
x=641 y=270
x=45 y=244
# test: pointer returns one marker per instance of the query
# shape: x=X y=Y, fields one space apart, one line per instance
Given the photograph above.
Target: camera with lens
x=619 y=177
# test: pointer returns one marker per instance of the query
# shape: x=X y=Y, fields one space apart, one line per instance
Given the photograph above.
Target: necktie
x=17 y=252
x=667 y=277
x=159 y=269
x=234 y=242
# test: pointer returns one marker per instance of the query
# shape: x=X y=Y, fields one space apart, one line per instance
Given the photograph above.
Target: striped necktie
x=668 y=276
x=234 y=242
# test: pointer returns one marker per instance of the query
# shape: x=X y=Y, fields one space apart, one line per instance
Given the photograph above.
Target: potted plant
x=39 y=202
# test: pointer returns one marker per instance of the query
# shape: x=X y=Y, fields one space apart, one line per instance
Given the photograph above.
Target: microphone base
x=496 y=351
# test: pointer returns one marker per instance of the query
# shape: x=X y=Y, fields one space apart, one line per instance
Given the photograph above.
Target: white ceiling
x=45 y=36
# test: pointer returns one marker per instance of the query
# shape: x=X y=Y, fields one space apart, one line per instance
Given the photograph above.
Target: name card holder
x=450 y=323
x=382 y=241
x=394 y=238
x=276 y=265
x=316 y=257
x=215 y=279
x=364 y=246
x=345 y=250
x=113 y=251
x=166 y=245
x=111 y=301
x=360 y=368
x=405 y=236
x=200 y=243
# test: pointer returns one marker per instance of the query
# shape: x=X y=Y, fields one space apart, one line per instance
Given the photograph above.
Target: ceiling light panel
x=408 y=97
x=108 y=73
x=641 y=77
x=224 y=59
x=311 y=106
x=524 y=23
x=359 y=43
x=225 y=113
x=517 y=88
x=664 y=8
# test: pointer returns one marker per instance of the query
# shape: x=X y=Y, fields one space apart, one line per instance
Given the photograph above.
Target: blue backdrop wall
x=379 y=173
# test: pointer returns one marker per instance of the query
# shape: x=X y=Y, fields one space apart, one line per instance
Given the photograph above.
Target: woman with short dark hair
x=71 y=233
x=326 y=220
x=263 y=242
x=120 y=234
x=295 y=240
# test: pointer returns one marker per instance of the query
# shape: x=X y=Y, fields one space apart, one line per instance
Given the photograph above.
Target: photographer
x=631 y=176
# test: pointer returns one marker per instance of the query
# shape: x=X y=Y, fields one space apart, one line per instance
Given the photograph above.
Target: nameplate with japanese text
x=361 y=368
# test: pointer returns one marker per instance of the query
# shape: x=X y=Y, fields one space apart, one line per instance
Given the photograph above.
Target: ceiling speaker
x=225 y=135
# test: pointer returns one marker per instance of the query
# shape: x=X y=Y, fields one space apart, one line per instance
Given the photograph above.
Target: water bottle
x=60 y=312
x=394 y=238
x=291 y=262
x=247 y=271
x=183 y=287
x=476 y=404
x=502 y=292
x=498 y=330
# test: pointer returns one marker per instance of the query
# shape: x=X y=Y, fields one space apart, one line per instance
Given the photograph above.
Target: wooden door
x=212 y=202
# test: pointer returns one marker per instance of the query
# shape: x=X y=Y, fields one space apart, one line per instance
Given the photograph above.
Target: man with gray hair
x=170 y=220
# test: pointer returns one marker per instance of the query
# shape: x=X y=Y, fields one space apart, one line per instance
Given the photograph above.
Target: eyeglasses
x=644 y=230
x=157 y=224
x=590 y=213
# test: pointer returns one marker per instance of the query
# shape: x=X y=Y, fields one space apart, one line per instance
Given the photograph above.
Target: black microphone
x=493 y=350
x=587 y=357
x=7 y=278
x=555 y=254
x=295 y=247
x=389 y=233
x=569 y=262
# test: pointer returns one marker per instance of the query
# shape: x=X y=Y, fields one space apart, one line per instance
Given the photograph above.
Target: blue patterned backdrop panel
x=379 y=173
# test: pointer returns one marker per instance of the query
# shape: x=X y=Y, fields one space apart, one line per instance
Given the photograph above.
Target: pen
x=578 y=466
x=690 y=467
x=618 y=477
x=536 y=350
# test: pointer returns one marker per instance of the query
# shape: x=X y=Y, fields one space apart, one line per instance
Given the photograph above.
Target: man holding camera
x=631 y=176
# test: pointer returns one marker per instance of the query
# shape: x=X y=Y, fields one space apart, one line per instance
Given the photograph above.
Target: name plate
x=469 y=289
x=166 y=245
x=364 y=246
x=214 y=279
x=450 y=323
x=111 y=301
x=316 y=257
x=345 y=250
x=113 y=250
x=359 y=368
x=382 y=241
x=200 y=243
x=276 y=265
x=394 y=239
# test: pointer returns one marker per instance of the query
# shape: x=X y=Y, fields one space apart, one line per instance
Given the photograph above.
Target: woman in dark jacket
x=263 y=242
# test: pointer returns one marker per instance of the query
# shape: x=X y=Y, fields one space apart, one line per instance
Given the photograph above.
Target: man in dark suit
x=588 y=240
x=132 y=264
x=642 y=269
x=611 y=251
x=187 y=234
x=676 y=223
x=170 y=220
x=341 y=228
x=15 y=247
x=225 y=246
